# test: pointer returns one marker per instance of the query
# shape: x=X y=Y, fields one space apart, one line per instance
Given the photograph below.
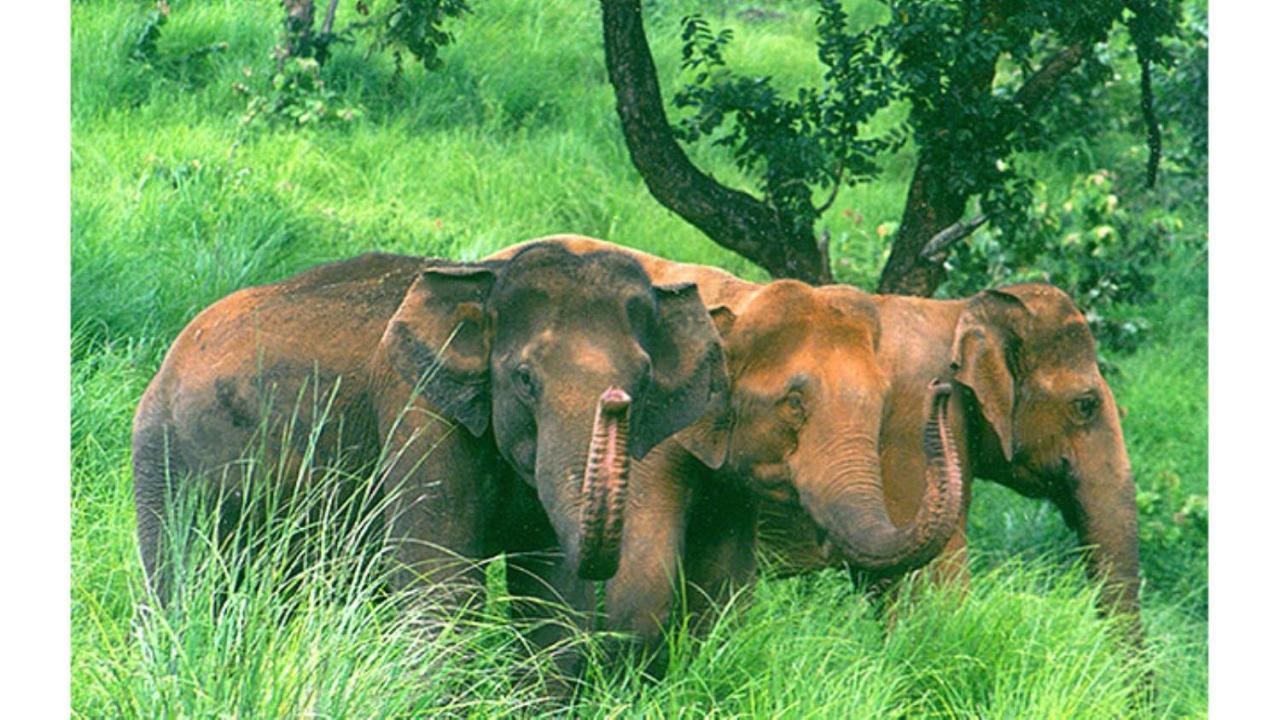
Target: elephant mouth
x=1057 y=483
x=773 y=481
x=1063 y=494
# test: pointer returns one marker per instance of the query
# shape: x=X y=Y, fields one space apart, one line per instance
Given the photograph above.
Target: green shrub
x=1104 y=254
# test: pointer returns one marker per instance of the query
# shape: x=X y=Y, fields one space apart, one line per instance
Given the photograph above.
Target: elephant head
x=574 y=363
x=1050 y=427
x=808 y=399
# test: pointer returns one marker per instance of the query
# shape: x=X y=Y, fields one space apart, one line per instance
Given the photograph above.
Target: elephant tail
x=154 y=468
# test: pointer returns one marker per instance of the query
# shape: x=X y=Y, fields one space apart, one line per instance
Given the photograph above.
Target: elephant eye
x=1085 y=406
x=793 y=405
x=526 y=386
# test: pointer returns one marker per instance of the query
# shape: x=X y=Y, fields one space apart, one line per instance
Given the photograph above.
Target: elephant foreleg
x=720 y=563
x=952 y=565
x=438 y=485
x=548 y=601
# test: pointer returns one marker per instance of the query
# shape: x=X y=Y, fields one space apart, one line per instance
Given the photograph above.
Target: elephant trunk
x=853 y=509
x=1103 y=510
x=604 y=487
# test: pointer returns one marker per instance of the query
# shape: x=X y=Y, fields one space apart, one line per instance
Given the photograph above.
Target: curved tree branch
x=933 y=220
x=1043 y=81
x=835 y=190
x=733 y=219
x=936 y=247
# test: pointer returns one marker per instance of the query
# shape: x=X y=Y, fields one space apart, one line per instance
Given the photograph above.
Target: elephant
x=803 y=428
x=1031 y=411
x=501 y=403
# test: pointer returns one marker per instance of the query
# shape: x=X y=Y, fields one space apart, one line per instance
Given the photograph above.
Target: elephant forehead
x=584 y=353
x=812 y=345
x=587 y=357
x=787 y=312
x=1064 y=380
x=564 y=274
x=1066 y=342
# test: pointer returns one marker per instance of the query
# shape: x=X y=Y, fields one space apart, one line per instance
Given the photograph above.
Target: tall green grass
x=174 y=204
x=281 y=606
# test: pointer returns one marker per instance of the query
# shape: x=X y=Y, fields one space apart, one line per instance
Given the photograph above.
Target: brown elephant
x=506 y=399
x=1032 y=412
x=808 y=398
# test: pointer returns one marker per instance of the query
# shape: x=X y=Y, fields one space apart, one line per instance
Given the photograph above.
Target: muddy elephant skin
x=1030 y=411
x=803 y=428
x=501 y=402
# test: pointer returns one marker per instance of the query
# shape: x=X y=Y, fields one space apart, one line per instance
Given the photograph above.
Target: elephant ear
x=689 y=375
x=707 y=438
x=438 y=341
x=986 y=338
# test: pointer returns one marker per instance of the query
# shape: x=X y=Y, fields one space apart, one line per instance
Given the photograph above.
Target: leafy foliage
x=1173 y=524
x=815 y=139
x=1182 y=94
x=177 y=66
x=974 y=74
x=1105 y=255
x=415 y=26
x=295 y=90
x=297 y=95
x=298 y=92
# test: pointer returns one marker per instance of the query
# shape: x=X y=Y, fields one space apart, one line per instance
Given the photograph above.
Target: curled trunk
x=604 y=488
x=854 y=513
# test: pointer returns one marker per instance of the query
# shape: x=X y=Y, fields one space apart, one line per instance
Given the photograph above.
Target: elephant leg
x=952 y=565
x=438 y=485
x=720 y=563
x=640 y=597
x=154 y=473
x=951 y=569
x=548 y=604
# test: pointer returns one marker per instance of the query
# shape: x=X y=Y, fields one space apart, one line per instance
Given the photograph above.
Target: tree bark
x=932 y=206
x=298 y=23
x=733 y=219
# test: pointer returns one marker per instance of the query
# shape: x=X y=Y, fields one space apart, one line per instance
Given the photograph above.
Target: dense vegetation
x=184 y=189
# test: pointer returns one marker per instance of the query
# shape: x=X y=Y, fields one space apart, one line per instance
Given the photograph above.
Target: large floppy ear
x=438 y=341
x=985 y=341
x=707 y=438
x=689 y=374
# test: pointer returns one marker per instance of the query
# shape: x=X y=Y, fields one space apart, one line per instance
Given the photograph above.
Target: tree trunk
x=931 y=208
x=298 y=23
x=783 y=245
x=733 y=219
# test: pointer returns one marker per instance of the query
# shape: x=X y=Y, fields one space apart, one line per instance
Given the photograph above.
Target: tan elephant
x=1031 y=411
x=804 y=426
